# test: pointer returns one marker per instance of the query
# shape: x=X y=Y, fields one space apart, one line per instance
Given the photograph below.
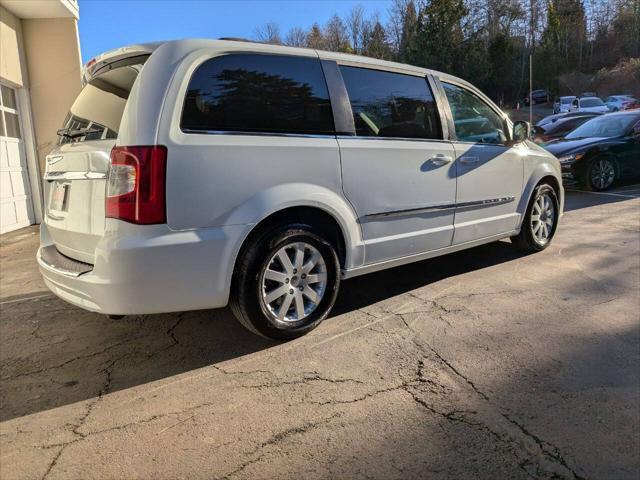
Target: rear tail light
x=136 y=184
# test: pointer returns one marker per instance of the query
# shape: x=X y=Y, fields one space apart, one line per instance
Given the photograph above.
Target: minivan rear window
x=100 y=104
x=248 y=92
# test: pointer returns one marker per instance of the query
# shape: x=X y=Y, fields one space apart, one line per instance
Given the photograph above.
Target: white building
x=40 y=76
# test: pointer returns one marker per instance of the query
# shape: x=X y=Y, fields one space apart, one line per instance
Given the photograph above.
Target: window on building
x=9 y=121
x=258 y=93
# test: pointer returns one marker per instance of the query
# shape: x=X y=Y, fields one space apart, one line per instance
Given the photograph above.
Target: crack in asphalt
x=548 y=449
x=66 y=362
x=108 y=371
x=410 y=387
x=277 y=438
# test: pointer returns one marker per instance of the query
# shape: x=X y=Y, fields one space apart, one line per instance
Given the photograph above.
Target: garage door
x=16 y=209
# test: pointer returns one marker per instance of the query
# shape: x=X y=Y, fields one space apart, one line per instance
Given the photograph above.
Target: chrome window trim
x=402 y=139
x=257 y=134
x=443 y=206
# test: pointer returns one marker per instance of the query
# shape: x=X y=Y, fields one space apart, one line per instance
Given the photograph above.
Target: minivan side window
x=391 y=105
x=258 y=93
x=474 y=120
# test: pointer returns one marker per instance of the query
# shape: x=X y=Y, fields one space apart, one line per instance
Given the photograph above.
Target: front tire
x=286 y=282
x=540 y=221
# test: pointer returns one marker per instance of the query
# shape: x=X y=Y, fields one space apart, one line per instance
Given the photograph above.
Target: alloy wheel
x=603 y=174
x=542 y=218
x=294 y=282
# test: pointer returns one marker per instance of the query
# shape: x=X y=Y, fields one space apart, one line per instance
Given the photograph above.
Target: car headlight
x=571 y=158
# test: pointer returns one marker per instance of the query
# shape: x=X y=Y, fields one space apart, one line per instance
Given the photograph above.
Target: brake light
x=136 y=184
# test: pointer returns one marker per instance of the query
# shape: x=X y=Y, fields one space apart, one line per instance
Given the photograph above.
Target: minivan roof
x=110 y=56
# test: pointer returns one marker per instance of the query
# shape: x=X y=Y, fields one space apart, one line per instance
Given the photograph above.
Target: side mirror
x=521 y=132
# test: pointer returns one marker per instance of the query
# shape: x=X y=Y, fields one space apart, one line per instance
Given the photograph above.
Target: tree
x=269 y=33
x=438 y=41
x=296 y=37
x=315 y=39
x=336 y=38
x=355 y=23
x=378 y=46
x=409 y=25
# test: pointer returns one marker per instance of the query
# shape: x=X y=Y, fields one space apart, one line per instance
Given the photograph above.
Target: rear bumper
x=148 y=269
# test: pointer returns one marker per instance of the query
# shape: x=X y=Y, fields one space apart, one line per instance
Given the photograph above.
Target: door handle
x=440 y=159
x=469 y=160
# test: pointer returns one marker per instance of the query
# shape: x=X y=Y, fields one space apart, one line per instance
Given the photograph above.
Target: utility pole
x=530 y=89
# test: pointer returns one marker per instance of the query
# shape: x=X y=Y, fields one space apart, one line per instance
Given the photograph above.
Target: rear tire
x=540 y=221
x=285 y=300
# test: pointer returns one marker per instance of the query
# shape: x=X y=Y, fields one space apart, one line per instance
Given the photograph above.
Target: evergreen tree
x=377 y=44
x=437 y=43
x=409 y=25
x=315 y=39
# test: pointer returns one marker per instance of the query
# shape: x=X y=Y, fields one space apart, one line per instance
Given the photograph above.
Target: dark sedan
x=601 y=151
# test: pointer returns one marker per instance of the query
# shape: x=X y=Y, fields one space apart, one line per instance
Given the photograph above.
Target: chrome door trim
x=50 y=176
x=443 y=206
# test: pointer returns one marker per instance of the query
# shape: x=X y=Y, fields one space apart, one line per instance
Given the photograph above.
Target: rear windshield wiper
x=75 y=133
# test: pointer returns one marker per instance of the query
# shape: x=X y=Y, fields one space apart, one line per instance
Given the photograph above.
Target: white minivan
x=194 y=174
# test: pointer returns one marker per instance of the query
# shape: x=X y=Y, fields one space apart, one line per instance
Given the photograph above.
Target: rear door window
x=258 y=93
x=391 y=105
x=474 y=120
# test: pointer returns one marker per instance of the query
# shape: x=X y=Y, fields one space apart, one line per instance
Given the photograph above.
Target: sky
x=107 y=24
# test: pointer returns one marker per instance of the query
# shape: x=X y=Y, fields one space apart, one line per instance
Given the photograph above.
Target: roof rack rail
x=239 y=39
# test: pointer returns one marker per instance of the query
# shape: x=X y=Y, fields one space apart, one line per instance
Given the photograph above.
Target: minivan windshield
x=606 y=126
x=100 y=104
x=566 y=100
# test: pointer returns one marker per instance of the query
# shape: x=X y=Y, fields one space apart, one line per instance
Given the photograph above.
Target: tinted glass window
x=388 y=104
x=100 y=104
x=258 y=93
x=474 y=120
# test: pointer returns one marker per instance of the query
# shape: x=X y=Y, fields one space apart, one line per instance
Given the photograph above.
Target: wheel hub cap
x=294 y=282
x=542 y=218
x=602 y=174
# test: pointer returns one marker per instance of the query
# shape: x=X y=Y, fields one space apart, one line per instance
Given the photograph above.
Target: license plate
x=59 y=197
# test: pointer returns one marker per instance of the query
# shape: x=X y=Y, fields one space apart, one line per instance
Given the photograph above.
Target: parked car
x=618 y=102
x=589 y=104
x=538 y=96
x=632 y=105
x=601 y=151
x=555 y=130
x=561 y=116
x=261 y=175
x=563 y=104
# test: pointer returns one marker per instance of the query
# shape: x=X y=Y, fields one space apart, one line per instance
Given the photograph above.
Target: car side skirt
x=396 y=262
